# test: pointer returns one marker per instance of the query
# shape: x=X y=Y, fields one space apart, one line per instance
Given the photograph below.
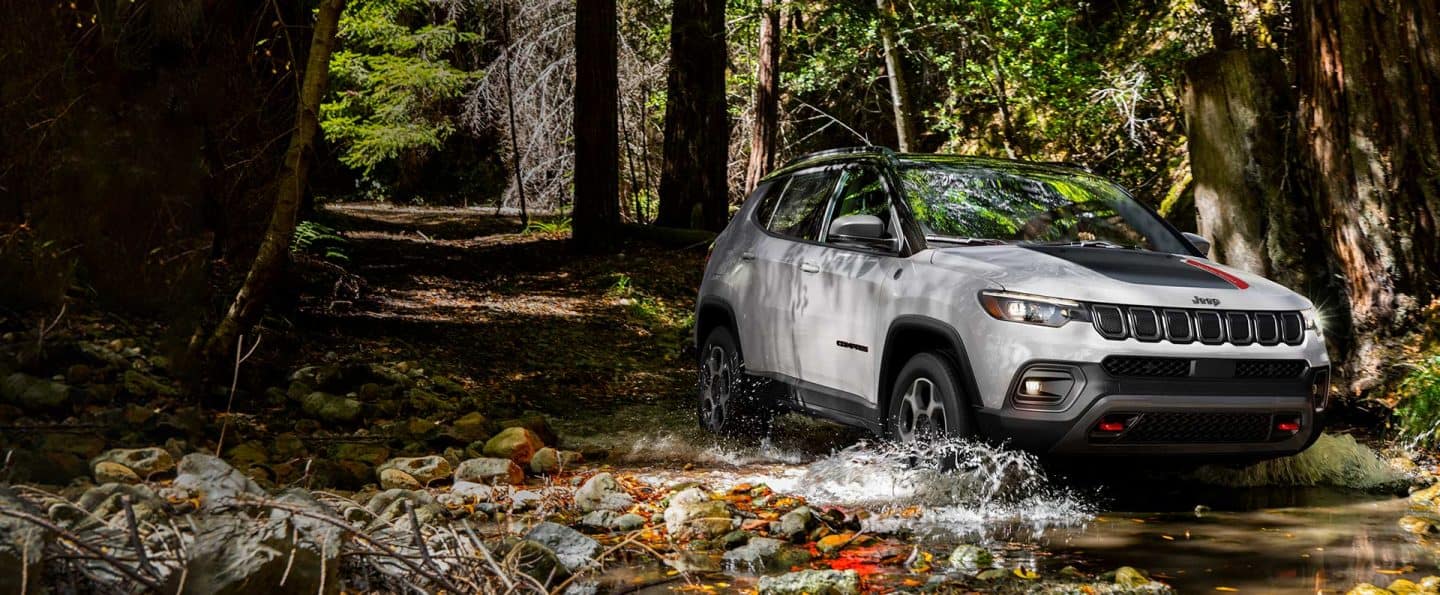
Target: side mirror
x=1198 y=241
x=858 y=227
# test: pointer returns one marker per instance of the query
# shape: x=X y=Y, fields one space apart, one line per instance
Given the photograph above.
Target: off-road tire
x=927 y=400
x=731 y=402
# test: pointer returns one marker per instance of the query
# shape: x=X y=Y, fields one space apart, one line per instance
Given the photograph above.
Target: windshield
x=967 y=203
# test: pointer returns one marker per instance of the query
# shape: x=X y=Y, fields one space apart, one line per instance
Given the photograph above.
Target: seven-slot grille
x=1212 y=327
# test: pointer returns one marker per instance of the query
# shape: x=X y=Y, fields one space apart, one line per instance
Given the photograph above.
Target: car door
x=843 y=287
x=769 y=317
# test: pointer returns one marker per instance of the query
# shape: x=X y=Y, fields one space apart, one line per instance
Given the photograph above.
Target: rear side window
x=802 y=206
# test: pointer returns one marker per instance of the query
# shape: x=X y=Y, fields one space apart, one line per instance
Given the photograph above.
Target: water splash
x=943 y=487
x=1336 y=461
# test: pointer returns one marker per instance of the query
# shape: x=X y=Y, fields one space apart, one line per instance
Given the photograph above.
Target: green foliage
x=1418 y=413
x=318 y=239
x=394 y=90
x=550 y=227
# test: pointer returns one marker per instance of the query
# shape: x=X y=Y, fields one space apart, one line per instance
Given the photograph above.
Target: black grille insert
x=1145 y=324
x=1177 y=427
x=1147 y=367
x=1274 y=368
x=1209 y=328
x=1267 y=328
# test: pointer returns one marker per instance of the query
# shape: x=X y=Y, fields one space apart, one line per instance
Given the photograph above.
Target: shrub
x=1418 y=413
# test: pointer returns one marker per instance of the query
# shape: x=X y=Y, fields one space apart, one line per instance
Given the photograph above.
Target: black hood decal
x=1137 y=266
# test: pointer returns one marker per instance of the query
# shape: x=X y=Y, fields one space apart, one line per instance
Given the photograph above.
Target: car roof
x=884 y=155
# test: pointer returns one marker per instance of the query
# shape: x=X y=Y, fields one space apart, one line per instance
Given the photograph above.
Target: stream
x=1323 y=522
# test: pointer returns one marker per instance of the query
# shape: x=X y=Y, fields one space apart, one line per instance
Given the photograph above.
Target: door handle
x=809 y=267
x=747 y=255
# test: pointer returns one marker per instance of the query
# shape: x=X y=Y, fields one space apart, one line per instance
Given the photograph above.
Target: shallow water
x=1317 y=523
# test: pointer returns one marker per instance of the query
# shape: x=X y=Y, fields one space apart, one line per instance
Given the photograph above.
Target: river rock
x=479 y=491
x=970 y=559
x=796 y=524
x=573 y=548
x=286 y=551
x=331 y=408
x=536 y=423
x=1368 y=589
x=34 y=394
x=812 y=582
x=1130 y=578
x=602 y=492
x=757 y=555
x=830 y=544
x=537 y=561
x=108 y=472
x=216 y=482
x=488 y=471
x=629 y=522
x=1417 y=525
x=548 y=461
x=692 y=513
x=391 y=479
x=144 y=462
x=471 y=427
x=517 y=444
x=424 y=470
x=599 y=520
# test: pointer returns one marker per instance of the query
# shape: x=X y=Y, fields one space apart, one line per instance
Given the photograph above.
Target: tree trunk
x=697 y=128
x=1367 y=72
x=290 y=187
x=767 y=98
x=597 y=141
x=1238 y=115
x=899 y=96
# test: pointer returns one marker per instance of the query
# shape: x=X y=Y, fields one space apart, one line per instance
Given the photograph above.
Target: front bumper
x=1199 y=417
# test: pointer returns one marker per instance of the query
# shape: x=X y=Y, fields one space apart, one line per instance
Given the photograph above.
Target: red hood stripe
x=1232 y=279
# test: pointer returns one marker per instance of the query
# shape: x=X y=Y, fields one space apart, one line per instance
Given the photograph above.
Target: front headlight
x=1314 y=322
x=1031 y=309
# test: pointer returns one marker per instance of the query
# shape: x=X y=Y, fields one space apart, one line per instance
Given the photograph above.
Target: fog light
x=1034 y=387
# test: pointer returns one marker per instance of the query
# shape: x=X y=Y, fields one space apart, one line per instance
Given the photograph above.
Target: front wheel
x=731 y=402
x=926 y=401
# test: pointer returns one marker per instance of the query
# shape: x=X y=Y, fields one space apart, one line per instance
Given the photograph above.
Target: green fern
x=554 y=226
x=318 y=239
x=1419 y=411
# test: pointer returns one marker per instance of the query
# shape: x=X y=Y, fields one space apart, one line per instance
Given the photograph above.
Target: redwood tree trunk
x=899 y=94
x=767 y=98
x=1368 y=72
x=597 y=158
x=290 y=183
x=697 y=128
x=1238 y=115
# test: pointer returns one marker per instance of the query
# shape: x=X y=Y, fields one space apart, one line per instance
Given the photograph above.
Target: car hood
x=1111 y=275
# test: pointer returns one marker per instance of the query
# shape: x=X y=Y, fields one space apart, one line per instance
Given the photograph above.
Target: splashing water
x=1336 y=461
x=942 y=487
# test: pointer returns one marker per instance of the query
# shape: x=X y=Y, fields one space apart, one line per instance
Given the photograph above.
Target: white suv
x=913 y=294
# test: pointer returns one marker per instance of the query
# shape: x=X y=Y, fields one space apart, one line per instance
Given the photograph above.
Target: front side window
x=963 y=203
x=863 y=193
x=802 y=207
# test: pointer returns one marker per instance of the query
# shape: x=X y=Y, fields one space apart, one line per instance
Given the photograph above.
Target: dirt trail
x=516 y=315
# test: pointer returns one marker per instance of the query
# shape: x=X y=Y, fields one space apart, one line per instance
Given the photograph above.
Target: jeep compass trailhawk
x=920 y=295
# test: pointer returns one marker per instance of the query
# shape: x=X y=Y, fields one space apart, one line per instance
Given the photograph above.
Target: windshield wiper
x=965 y=241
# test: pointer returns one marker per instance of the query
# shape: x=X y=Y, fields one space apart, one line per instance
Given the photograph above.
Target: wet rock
x=602 y=492
x=108 y=472
x=471 y=427
x=831 y=544
x=970 y=559
x=247 y=454
x=79 y=374
x=144 y=462
x=21 y=547
x=1427 y=497
x=288 y=551
x=369 y=453
x=526 y=499
x=758 y=554
x=629 y=522
x=331 y=408
x=1417 y=525
x=217 y=483
x=537 y=424
x=517 y=444
x=34 y=394
x=812 y=582
x=1430 y=584
x=145 y=386
x=1368 y=589
x=993 y=574
x=1131 y=578
x=1403 y=586
x=796 y=524
x=548 y=461
x=391 y=509
x=733 y=539
x=692 y=513
x=395 y=478
x=424 y=470
x=86 y=445
x=489 y=471
x=538 y=561
x=573 y=548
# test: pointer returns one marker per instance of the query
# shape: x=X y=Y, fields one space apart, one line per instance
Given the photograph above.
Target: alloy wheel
x=922 y=413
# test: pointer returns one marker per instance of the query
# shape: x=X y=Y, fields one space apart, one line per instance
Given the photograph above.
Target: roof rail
x=876 y=149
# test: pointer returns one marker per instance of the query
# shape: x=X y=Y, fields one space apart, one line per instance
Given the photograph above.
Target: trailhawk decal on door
x=855 y=346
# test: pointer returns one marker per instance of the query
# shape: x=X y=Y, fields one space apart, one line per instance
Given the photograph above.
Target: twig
x=45 y=329
x=234 y=383
x=135 y=541
x=72 y=538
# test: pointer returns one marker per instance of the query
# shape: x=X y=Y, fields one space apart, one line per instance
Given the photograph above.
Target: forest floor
x=451 y=380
